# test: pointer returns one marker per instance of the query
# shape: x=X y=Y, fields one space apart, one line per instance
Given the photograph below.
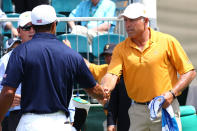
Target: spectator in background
x=26 y=33
x=7 y=25
x=119 y=103
x=93 y=8
x=27 y=5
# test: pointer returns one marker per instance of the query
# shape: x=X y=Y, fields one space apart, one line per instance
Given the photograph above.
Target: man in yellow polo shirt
x=149 y=62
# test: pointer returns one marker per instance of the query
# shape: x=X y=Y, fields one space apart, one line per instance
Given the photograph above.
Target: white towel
x=168 y=119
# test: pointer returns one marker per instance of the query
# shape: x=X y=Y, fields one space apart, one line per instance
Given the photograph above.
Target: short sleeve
x=178 y=56
x=98 y=71
x=116 y=63
x=14 y=71
x=84 y=76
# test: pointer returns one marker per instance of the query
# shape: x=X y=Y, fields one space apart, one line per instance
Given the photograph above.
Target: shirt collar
x=151 y=41
x=100 y=1
x=153 y=38
x=44 y=35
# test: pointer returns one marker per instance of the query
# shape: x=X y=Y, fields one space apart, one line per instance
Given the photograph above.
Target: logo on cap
x=26 y=15
x=107 y=47
x=144 y=11
x=39 y=21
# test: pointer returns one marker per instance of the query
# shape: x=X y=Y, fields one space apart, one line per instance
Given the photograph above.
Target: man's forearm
x=96 y=92
x=109 y=81
x=6 y=98
x=183 y=82
x=71 y=24
x=102 y=27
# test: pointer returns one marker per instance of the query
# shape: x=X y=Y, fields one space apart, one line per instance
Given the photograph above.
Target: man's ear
x=18 y=29
x=146 y=21
x=53 y=28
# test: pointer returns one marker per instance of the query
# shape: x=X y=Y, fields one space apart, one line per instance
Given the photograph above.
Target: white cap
x=134 y=11
x=11 y=42
x=43 y=15
x=24 y=18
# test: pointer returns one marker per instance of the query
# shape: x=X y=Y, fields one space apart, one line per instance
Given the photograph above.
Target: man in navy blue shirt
x=47 y=70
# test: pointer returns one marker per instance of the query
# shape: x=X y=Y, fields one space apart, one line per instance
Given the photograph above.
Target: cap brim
x=11 y=44
x=130 y=17
x=120 y=16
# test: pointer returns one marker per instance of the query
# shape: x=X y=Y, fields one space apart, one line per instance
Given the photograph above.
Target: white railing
x=119 y=27
x=74 y=19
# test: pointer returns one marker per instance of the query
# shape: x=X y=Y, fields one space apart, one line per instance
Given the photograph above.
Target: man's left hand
x=168 y=99
x=67 y=42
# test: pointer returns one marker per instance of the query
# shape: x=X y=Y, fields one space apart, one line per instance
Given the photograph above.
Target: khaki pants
x=140 y=118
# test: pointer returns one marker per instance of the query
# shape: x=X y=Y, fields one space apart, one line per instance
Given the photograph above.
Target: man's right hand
x=96 y=92
x=107 y=93
x=67 y=42
x=71 y=24
x=111 y=128
x=16 y=101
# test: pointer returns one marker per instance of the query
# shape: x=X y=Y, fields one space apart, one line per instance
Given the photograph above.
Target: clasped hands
x=106 y=96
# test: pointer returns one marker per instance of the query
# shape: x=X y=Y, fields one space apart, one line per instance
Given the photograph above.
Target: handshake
x=106 y=96
x=100 y=93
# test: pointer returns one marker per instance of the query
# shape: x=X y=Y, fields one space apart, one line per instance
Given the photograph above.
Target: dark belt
x=67 y=122
x=142 y=103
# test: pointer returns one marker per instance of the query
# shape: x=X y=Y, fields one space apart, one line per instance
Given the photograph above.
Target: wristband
x=172 y=94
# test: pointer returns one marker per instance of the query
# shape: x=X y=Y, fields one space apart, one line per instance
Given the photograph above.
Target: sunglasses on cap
x=26 y=27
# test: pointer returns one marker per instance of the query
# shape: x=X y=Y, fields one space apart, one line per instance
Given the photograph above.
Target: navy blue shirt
x=47 y=69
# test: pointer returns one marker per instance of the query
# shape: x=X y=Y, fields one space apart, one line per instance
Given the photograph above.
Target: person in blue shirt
x=25 y=32
x=93 y=8
x=7 y=25
x=47 y=70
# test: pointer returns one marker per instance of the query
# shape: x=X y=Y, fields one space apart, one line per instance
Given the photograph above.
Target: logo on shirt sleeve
x=5 y=75
x=189 y=62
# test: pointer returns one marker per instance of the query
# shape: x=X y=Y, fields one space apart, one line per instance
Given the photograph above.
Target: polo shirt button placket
x=142 y=60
